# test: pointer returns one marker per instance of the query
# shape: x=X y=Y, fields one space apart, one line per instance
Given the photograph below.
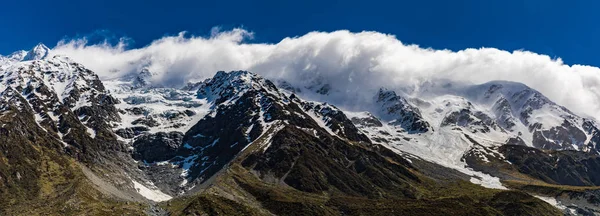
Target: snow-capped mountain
x=241 y=136
x=508 y=110
x=38 y=52
x=59 y=90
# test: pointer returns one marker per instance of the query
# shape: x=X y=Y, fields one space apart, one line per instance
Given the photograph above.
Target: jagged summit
x=231 y=85
x=40 y=51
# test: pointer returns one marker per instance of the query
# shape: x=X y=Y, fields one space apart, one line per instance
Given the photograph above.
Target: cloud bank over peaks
x=352 y=63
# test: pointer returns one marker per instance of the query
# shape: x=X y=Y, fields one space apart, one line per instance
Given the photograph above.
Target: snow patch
x=91 y=132
x=151 y=194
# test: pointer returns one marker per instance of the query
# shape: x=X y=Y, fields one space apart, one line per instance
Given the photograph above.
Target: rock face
x=564 y=136
x=131 y=132
x=558 y=167
x=367 y=121
x=400 y=112
x=160 y=146
x=334 y=119
x=476 y=121
x=147 y=121
x=593 y=132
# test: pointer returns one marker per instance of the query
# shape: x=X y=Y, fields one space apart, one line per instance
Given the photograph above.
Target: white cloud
x=350 y=62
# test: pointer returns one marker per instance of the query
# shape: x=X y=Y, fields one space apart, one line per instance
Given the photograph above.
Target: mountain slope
x=37 y=176
x=471 y=124
x=302 y=160
x=57 y=116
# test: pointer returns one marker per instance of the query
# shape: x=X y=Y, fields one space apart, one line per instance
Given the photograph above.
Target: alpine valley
x=239 y=144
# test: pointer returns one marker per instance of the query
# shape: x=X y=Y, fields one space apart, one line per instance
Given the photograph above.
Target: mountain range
x=237 y=143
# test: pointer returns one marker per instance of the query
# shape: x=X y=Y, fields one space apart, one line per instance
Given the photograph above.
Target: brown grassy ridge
x=547 y=189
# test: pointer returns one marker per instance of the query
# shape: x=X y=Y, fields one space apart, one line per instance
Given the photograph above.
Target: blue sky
x=565 y=29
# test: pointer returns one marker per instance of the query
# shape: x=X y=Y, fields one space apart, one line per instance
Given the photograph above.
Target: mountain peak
x=226 y=85
x=385 y=94
x=40 y=51
x=237 y=79
x=236 y=75
x=40 y=46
